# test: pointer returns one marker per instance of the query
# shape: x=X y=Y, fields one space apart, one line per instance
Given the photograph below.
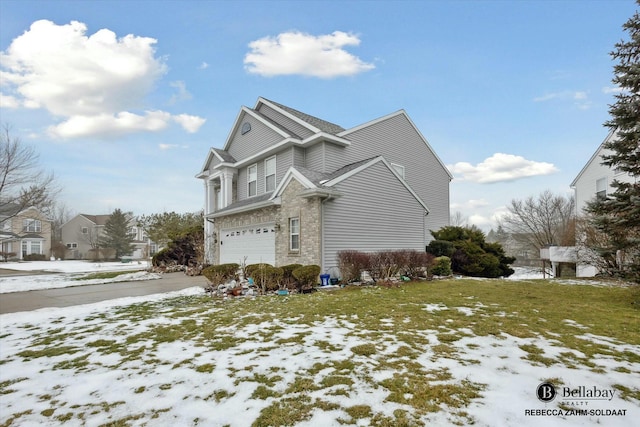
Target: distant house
x=26 y=232
x=81 y=236
x=594 y=180
x=287 y=187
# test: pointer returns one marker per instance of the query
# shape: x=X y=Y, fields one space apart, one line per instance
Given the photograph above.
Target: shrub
x=351 y=265
x=383 y=264
x=35 y=257
x=417 y=264
x=266 y=276
x=307 y=276
x=288 y=280
x=442 y=266
x=440 y=248
x=217 y=274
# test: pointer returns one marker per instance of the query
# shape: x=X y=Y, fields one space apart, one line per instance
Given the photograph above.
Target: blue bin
x=324 y=279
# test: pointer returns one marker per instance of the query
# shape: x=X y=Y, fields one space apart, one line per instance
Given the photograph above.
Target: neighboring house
x=289 y=188
x=594 y=180
x=25 y=233
x=82 y=233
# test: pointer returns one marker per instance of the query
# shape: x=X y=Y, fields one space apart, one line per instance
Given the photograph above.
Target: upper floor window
x=32 y=225
x=399 y=169
x=85 y=230
x=601 y=188
x=270 y=174
x=252 y=180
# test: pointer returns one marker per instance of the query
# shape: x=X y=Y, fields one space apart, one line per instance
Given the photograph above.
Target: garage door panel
x=257 y=243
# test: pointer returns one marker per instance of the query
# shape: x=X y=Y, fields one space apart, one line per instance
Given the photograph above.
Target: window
x=252 y=180
x=85 y=230
x=270 y=174
x=399 y=169
x=294 y=234
x=32 y=225
x=72 y=245
x=601 y=188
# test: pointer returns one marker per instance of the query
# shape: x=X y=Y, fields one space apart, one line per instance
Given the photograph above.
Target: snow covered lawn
x=67 y=273
x=435 y=353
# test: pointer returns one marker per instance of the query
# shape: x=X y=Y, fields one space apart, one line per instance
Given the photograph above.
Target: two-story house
x=288 y=187
x=27 y=232
x=81 y=235
x=594 y=180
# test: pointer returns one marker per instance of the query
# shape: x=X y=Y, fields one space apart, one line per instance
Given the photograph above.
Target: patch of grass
x=285 y=412
x=48 y=352
x=104 y=275
x=364 y=349
x=206 y=368
x=5 y=385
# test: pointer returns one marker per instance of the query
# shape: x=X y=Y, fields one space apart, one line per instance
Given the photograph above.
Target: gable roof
x=593 y=157
x=413 y=125
x=317 y=124
x=97 y=219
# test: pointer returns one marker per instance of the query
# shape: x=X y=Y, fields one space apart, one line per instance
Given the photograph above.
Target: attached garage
x=257 y=243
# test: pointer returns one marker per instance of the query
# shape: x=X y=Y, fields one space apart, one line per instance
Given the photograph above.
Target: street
x=64 y=297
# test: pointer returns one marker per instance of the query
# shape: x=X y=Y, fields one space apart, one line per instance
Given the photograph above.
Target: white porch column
x=226 y=187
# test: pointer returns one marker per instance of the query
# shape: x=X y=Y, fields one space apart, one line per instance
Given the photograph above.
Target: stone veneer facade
x=292 y=205
x=309 y=212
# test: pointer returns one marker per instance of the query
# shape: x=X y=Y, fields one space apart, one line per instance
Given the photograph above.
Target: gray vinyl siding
x=396 y=140
x=314 y=157
x=325 y=157
x=371 y=217
x=257 y=139
x=283 y=162
x=298 y=156
x=285 y=122
x=213 y=163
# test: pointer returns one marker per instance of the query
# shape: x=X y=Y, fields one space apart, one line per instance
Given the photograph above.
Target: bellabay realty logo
x=574 y=401
x=547 y=392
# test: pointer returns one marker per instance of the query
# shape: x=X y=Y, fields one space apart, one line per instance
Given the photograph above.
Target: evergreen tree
x=617 y=216
x=117 y=234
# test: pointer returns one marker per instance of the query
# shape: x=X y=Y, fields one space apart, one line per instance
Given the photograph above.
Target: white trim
x=403 y=175
x=249 y=180
x=389 y=116
x=291 y=234
x=292 y=173
x=598 y=153
x=360 y=168
x=286 y=114
x=275 y=173
x=238 y=123
x=245 y=208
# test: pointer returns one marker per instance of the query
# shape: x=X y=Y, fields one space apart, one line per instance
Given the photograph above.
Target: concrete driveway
x=63 y=297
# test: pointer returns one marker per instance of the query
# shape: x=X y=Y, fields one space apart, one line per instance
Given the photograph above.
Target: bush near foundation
x=307 y=276
x=383 y=265
x=288 y=281
x=266 y=276
x=442 y=266
x=217 y=274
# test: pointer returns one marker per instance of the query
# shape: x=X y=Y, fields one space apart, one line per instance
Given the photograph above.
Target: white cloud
x=182 y=92
x=203 y=66
x=501 y=167
x=579 y=98
x=470 y=204
x=109 y=125
x=304 y=54
x=8 y=101
x=87 y=80
x=189 y=123
x=165 y=147
x=609 y=90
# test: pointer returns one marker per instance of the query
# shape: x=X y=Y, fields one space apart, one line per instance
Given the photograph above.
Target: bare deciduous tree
x=23 y=183
x=546 y=220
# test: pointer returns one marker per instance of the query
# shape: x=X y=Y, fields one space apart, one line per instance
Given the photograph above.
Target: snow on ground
x=164 y=387
x=67 y=274
x=73 y=266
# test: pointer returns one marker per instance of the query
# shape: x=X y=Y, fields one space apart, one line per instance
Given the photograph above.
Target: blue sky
x=123 y=99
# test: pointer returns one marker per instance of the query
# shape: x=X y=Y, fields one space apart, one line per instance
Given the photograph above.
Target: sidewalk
x=64 y=297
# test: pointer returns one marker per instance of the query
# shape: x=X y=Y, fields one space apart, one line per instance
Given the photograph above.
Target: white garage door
x=257 y=243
